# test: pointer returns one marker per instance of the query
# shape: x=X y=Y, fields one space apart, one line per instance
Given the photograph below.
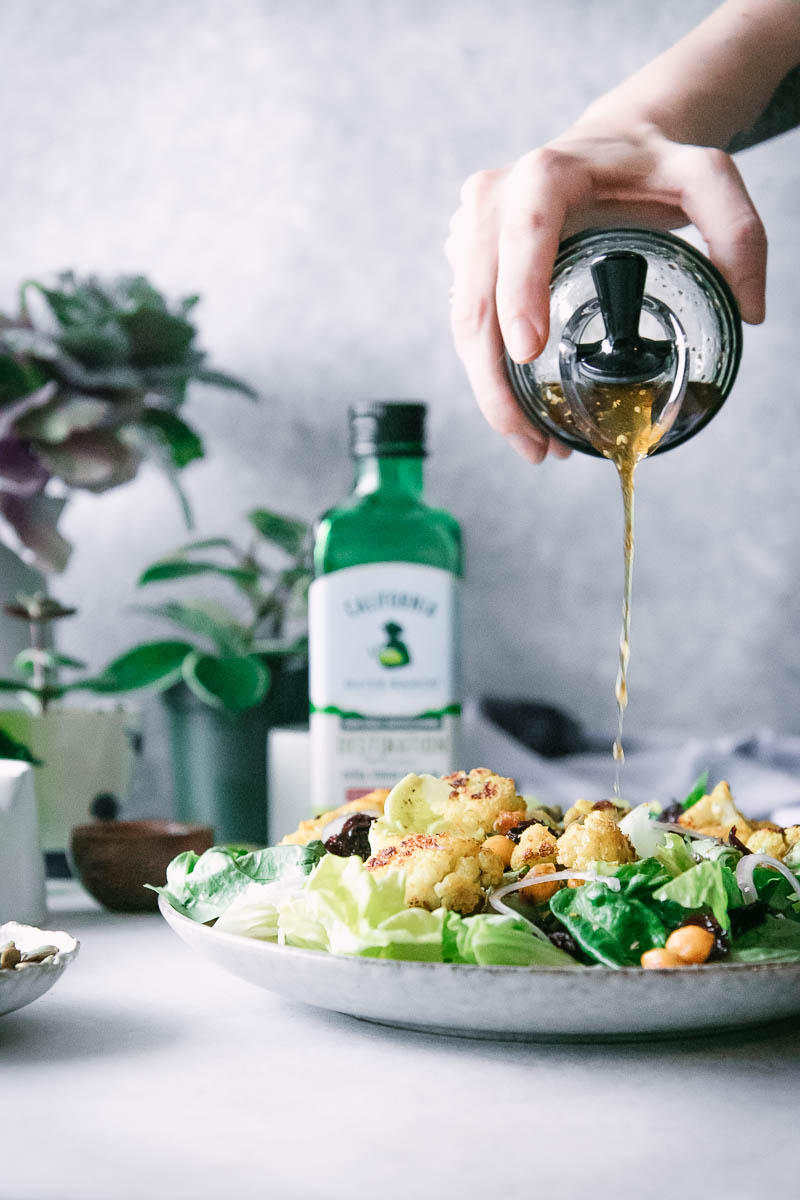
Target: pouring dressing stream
x=637 y=371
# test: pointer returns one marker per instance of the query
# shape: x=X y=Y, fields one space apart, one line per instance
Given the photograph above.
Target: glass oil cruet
x=644 y=346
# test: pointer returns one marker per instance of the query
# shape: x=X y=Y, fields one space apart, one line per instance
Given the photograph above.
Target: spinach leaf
x=615 y=928
x=202 y=887
x=778 y=893
x=776 y=939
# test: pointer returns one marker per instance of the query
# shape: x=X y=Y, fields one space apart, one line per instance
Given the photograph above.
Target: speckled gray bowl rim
x=575 y=1004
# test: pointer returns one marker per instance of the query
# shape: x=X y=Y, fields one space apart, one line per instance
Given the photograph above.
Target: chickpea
x=691 y=943
x=659 y=958
x=503 y=847
x=539 y=892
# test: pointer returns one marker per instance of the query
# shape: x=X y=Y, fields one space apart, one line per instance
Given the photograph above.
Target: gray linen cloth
x=762 y=768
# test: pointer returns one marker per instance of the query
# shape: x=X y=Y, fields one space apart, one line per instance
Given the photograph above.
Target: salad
x=463 y=869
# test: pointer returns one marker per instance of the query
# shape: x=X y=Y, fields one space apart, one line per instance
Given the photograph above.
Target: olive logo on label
x=394 y=652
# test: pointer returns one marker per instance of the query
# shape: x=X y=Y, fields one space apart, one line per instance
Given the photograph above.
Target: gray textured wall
x=297 y=161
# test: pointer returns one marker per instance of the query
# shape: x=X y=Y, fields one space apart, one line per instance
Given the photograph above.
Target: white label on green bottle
x=384 y=680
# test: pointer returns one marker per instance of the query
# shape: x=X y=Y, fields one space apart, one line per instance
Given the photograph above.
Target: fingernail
x=531 y=449
x=522 y=342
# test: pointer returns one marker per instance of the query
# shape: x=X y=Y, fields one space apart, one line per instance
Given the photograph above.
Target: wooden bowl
x=115 y=859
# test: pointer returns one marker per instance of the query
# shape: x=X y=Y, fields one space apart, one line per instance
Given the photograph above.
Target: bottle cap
x=388 y=428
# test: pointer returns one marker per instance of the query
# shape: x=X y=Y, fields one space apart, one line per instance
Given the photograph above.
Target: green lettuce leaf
x=776 y=939
x=710 y=885
x=489 y=940
x=674 y=855
x=204 y=886
x=347 y=910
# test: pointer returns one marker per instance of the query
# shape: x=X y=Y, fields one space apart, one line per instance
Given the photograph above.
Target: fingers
x=715 y=199
x=540 y=190
x=472 y=252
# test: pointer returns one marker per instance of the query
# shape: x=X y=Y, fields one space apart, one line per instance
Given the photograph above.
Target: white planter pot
x=83 y=752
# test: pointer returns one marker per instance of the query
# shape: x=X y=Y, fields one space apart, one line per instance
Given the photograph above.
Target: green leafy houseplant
x=227 y=662
x=93 y=373
x=239 y=672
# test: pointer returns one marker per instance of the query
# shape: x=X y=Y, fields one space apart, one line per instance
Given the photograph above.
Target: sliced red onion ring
x=747 y=865
x=496 y=898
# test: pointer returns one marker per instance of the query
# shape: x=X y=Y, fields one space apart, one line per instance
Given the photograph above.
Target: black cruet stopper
x=623 y=356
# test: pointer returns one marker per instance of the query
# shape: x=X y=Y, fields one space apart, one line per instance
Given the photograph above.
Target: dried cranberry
x=672 y=814
x=565 y=941
x=722 y=941
x=353 y=837
x=735 y=842
x=516 y=831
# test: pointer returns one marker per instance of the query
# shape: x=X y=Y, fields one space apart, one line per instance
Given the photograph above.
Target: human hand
x=505 y=236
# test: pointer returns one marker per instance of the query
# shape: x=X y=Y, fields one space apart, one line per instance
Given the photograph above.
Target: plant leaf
x=182 y=569
x=234 y=682
x=205 y=544
x=286 y=532
x=153 y=664
x=63 y=415
x=204 y=618
x=92 y=459
x=222 y=379
x=280 y=647
x=156 y=336
x=26 y=660
x=179 y=439
x=18 y=751
x=33 y=520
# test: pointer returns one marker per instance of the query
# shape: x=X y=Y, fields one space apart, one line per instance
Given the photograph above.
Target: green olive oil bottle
x=384 y=619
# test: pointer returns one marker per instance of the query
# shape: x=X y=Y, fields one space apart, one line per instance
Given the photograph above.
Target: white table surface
x=148 y=1074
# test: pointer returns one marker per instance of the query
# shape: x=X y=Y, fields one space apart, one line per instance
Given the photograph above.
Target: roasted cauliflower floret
x=715 y=815
x=478 y=797
x=444 y=871
x=578 y=811
x=766 y=841
x=309 y=831
x=792 y=835
x=536 y=845
x=597 y=838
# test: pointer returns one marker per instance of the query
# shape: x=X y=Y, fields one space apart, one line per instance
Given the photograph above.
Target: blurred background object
x=297 y=164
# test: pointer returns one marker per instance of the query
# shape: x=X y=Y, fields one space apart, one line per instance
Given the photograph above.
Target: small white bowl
x=18 y=988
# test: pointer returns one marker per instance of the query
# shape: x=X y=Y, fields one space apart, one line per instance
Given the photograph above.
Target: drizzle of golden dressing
x=620 y=426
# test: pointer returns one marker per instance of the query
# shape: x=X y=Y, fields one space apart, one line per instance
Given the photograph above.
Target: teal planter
x=219 y=758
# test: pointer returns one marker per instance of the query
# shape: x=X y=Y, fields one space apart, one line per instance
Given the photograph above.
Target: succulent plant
x=92 y=375
x=228 y=662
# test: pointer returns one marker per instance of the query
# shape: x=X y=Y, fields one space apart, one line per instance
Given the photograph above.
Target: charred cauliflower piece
x=537 y=844
x=597 y=838
x=477 y=798
x=767 y=839
x=715 y=815
x=441 y=871
x=579 y=810
x=309 y=831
